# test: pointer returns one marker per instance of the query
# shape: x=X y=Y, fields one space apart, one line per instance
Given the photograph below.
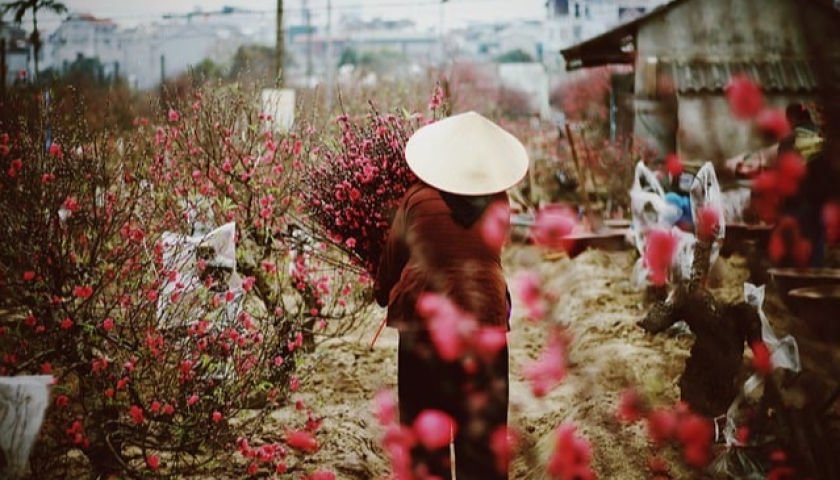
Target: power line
x=297 y=10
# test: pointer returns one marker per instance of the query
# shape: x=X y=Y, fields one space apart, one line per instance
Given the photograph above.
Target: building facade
x=685 y=53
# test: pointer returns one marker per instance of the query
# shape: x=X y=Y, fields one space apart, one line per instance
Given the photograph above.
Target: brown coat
x=428 y=251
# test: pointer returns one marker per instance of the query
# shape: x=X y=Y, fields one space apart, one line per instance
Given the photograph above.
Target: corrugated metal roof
x=784 y=75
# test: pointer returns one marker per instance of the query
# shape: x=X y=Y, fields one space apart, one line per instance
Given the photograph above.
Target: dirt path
x=608 y=353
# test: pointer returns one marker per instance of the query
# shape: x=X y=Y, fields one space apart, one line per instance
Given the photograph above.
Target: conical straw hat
x=466 y=154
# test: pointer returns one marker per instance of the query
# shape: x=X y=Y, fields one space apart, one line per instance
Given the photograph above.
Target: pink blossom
x=434 y=429
x=773 y=121
x=495 y=225
x=571 y=457
x=528 y=288
x=450 y=328
x=192 y=400
x=490 y=341
x=504 y=442
x=549 y=370
x=386 y=407
x=174 y=116
x=553 y=224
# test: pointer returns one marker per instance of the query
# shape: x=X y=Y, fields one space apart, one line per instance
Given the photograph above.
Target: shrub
x=157 y=373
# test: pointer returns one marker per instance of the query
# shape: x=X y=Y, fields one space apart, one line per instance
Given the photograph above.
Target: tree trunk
x=280 y=49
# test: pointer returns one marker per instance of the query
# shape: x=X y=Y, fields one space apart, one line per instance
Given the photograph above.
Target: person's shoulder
x=419 y=192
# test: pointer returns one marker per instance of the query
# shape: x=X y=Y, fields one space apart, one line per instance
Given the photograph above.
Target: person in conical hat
x=444 y=247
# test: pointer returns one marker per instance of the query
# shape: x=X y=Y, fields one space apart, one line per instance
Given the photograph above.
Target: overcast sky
x=425 y=12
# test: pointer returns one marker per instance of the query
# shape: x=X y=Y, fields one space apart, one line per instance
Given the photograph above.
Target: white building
x=145 y=54
x=18 y=52
x=84 y=36
x=572 y=21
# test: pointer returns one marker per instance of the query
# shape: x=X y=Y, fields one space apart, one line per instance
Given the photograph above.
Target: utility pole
x=307 y=20
x=162 y=69
x=3 y=68
x=330 y=60
x=280 y=48
x=441 y=21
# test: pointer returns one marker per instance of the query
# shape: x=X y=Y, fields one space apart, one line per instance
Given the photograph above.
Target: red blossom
x=831 y=220
x=661 y=425
x=696 y=434
x=630 y=407
x=136 y=414
x=745 y=97
x=708 y=221
x=761 y=358
x=659 y=253
x=55 y=150
x=302 y=440
x=791 y=170
x=321 y=475
x=28 y=275
x=153 y=461
x=674 y=165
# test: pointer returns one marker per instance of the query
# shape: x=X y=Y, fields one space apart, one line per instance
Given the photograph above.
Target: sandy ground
x=608 y=354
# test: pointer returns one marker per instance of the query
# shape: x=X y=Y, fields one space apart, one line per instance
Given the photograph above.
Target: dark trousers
x=476 y=398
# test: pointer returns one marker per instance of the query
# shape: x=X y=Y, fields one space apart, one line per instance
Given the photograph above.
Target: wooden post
x=580 y=173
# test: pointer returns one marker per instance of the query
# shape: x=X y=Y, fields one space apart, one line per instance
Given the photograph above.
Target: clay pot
x=818 y=307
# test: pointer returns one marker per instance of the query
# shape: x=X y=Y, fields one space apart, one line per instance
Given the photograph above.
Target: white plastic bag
x=649 y=210
x=23 y=403
x=180 y=303
x=705 y=192
x=784 y=352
